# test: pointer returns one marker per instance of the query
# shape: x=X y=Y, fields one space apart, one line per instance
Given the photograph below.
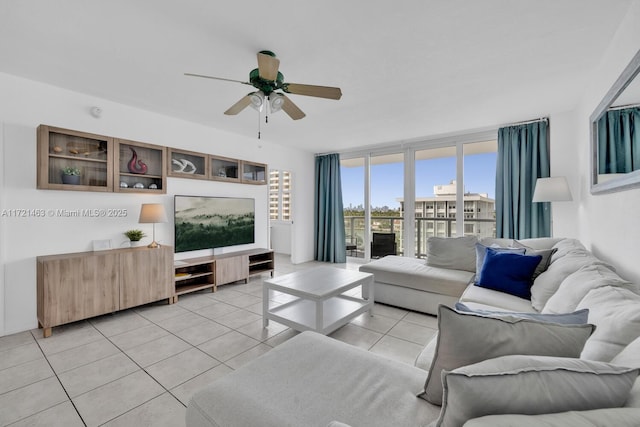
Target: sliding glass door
x=395 y=201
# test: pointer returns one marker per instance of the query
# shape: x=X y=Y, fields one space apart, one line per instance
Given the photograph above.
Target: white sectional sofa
x=522 y=372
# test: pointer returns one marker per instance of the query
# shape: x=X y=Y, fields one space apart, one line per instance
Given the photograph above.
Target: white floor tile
x=24 y=374
x=62 y=415
x=162 y=411
x=29 y=400
x=93 y=375
x=228 y=345
x=78 y=356
x=115 y=398
x=186 y=390
x=182 y=367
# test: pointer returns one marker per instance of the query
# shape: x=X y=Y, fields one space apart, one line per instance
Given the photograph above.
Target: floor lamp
x=152 y=213
x=552 y=189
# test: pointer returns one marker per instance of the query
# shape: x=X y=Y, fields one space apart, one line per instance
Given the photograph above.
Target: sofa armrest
x=619 y=417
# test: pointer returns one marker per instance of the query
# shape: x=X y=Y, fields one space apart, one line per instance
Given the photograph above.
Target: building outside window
x=280 y=195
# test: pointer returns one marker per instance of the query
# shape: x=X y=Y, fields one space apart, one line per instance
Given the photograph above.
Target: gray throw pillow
x=481 y=254
x=455 y=253
x=466 y=338
x=579 y=317
x=532 y=385
x=545 y=253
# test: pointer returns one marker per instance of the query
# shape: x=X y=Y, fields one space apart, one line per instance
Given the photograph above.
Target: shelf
x=64 y=148
x=139 y=167
x=109 y=164
x=181 y=290
x=187 y=164
x=224 y=169
x=76 y=158
x=301 y=313
x=192 y=276
x=254 y=173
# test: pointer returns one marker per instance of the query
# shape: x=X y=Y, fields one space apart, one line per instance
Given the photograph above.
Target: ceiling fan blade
x=311 y=90
x=268 y=66
x=292 y=109
x=217 y=78
x=239 y=106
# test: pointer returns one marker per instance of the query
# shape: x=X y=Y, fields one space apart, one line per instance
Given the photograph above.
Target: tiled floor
x=140 y=366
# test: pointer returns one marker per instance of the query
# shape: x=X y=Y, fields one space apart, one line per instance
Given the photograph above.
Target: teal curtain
x=619 y=141
x=523 y=157
x=329 y=239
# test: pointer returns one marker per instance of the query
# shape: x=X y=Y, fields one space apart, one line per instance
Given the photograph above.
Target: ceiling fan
x=267 y=79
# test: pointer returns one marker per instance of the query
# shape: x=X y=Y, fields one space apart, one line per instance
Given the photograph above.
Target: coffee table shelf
x=321 y=305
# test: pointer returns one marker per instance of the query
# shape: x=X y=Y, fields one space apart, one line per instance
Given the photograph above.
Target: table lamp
x=152 y=213
x=552 y=189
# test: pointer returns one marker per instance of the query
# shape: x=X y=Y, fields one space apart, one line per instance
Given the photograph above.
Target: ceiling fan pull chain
x=259 y=124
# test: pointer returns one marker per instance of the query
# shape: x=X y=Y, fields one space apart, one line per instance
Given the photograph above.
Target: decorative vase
x=71 y=179
x=135 y=165
x=135 y=243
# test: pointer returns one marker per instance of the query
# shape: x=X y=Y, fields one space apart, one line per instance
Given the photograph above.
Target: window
x=280 y=195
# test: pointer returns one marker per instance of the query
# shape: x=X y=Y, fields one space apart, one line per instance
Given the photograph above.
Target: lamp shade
x=552 y=189
x=152 y=213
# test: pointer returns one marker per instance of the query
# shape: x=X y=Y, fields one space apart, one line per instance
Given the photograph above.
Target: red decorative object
x=135 y=165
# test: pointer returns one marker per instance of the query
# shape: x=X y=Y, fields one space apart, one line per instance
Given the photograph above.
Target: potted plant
x=70 y=175
x=134 y=236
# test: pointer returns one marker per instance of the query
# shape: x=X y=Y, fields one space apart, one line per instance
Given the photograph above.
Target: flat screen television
x=213 y=222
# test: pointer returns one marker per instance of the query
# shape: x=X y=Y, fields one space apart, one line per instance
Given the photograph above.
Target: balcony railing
x=425 y=228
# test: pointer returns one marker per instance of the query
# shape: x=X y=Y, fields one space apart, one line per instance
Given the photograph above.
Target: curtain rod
x=526 y=122
x=622 y=107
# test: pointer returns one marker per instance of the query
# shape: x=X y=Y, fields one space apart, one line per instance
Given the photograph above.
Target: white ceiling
x=407 y=69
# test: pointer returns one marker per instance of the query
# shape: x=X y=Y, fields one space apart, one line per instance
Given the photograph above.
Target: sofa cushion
x=531 y=385
x=466 y=338
x=311 y=380
x=618 y=417
x=481 y=253
x=477 y=297
x=456 y=253
x=547 y=283
x=578 y=284
x=630 y=357
x=508 y=272
x=544 y=253
x=616 y=313
x=565 y=247
x=413 y=273
x=576 y=318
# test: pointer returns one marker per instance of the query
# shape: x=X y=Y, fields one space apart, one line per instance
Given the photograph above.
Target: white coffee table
x=320 y=305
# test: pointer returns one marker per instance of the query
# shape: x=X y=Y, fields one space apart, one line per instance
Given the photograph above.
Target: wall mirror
x=615 y=134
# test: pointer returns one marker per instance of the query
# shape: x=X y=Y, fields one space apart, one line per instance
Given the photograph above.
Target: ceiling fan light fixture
x=257 y=100
x=276 y=101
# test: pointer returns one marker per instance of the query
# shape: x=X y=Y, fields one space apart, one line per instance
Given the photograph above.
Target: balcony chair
x=383 y=244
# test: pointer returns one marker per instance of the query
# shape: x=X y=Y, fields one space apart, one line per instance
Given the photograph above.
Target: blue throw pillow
x=481 y=253
x=580 y=317
x=508 y=272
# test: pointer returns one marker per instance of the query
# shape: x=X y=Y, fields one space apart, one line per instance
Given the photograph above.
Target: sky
x=387 y=180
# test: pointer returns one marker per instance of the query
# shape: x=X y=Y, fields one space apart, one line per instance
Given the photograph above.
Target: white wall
x=608 y=224
x=26 y=104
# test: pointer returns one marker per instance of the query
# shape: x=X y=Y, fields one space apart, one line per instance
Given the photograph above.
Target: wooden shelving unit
x=76 y=286
x=187 y=164
x=260 y=263
x=111 y=164
x=196 y=274
x=91 y=154
x=254 y=173
x=152 y=179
